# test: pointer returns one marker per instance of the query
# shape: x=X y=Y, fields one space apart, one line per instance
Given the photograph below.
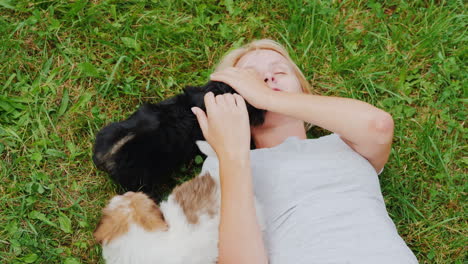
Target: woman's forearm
x=240 y=237
x=352 y=119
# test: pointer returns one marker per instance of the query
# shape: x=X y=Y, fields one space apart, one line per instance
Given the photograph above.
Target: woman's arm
x=240 y=237
x=365 y=128
x=226 y=128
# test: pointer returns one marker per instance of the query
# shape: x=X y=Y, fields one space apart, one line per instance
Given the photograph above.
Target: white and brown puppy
x=183 y=229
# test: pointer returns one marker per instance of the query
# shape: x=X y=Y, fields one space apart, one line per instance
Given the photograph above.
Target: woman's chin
x=273 y=119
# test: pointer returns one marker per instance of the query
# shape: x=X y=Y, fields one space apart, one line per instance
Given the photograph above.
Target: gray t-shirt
x=322 y=203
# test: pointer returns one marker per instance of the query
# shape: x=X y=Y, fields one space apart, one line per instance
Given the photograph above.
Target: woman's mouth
x=276 y=89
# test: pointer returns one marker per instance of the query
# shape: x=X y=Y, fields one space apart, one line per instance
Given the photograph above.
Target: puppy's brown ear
x=110 y=227
x=147 y=214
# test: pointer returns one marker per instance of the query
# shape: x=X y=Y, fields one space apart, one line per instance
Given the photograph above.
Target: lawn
x=69 y=68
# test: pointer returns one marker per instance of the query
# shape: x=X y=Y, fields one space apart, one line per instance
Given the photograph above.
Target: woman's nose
x=269 y=78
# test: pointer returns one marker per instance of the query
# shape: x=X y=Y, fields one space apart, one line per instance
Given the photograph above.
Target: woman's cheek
x=289 y=86
x=297 y=86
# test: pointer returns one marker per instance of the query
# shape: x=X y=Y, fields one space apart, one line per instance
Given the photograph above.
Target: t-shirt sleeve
x=340 y=140
x=381 y=170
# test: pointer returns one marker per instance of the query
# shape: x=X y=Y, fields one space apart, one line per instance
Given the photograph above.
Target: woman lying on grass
x=321 y=197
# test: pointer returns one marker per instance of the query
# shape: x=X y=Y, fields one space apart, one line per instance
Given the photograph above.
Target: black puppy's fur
x=142 y=152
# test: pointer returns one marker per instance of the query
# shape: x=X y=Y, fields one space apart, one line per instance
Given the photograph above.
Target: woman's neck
x=273 y=135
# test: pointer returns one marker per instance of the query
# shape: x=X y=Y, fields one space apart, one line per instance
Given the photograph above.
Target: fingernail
x=193 y=110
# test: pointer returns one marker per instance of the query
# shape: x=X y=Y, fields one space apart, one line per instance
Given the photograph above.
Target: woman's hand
x=247 y=83
x=227 y=129
x=225 y=125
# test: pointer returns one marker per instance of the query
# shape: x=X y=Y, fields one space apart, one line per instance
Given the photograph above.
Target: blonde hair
x=233 y=56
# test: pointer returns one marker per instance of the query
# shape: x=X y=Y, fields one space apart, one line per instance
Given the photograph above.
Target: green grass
x=69 y=68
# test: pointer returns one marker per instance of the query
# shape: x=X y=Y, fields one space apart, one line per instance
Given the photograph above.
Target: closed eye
x=280 y=73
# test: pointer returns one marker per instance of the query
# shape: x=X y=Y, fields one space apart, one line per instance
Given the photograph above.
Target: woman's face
x=278 y=74
x=276 y=71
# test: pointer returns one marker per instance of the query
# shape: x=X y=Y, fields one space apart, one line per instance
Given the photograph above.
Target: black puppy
x=143 y=151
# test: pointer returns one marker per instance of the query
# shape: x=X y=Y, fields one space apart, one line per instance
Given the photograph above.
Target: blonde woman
x=321 y=197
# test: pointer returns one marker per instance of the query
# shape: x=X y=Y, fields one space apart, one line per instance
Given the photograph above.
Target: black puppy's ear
x=111 y=139
x=108 y=142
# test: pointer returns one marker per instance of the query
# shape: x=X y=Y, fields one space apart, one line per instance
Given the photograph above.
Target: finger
x=229 y=99
x=225 y=75
x=252 y=72
x=220 y=100
x=229 y=79
x=220 y=77
x=202 y=119
x=232 y=70
x=209 y=102
x=240 y=102
x=228 y=69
